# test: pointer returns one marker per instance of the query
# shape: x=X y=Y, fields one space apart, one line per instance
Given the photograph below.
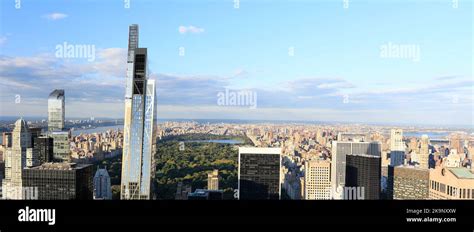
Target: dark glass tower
x=364 y=171
x=60 y=181
x=259 y=173
x=43 y=147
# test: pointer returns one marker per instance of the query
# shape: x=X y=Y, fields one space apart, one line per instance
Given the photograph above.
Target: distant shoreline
x=258 y=121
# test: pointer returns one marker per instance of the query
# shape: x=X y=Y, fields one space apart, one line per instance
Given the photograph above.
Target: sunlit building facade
x=397 y=147
x=56 y=110
x=317 y=184
x=424 y=152
x=213 y=180
x=61 y=146
x=448 y=183
x=16 y=161
x=139 y=122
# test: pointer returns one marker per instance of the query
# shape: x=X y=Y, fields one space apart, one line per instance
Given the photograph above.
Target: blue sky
x=336 y=72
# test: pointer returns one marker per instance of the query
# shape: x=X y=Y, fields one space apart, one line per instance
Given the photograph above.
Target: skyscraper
x=396 y=140
x=363 y=171
x=16 y=161
x=338 y=158
x=139 y=122
x=317 y=184
x=213 y=180
x=397 y=147
x=424 y=152
x=102 y=185
x=56 y=110
x=43 y=147
x=259 y=173
x=60 y=181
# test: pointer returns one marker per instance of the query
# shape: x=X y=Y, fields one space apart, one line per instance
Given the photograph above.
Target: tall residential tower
x=139 y=122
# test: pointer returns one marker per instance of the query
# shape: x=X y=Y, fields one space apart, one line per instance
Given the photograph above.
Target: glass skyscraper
x=340 y=149
x=56 y=110
x=259 y=173
x=139 y=122
x=363 y=171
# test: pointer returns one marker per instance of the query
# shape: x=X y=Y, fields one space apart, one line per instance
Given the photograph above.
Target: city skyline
x=315 y=70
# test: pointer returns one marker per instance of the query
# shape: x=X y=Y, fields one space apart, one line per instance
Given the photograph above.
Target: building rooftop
x=101 y=173
x=21 y=125
x=57 y=93
x=365 y=155
x=60 y=166
x=462 y=173
x=259 y=150
x=203 y=192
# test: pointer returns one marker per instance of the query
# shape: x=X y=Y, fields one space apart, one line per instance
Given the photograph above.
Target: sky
x=393 y=61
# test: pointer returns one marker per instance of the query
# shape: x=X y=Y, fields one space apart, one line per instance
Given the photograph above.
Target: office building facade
x=259 y=173
x=424 y=155
x=60 y=181
x=410 y=183
x=363 y=171
x=397 y=148
x=317 y=180
x=56 y=110
x=43 y=147
x=61 y=146
x=451 y=183
x=102 y=185
x=339 y=152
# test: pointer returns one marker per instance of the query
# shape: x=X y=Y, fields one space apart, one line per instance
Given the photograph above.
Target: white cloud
x=55 y=16
x=97 y=88
x=190 y=29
